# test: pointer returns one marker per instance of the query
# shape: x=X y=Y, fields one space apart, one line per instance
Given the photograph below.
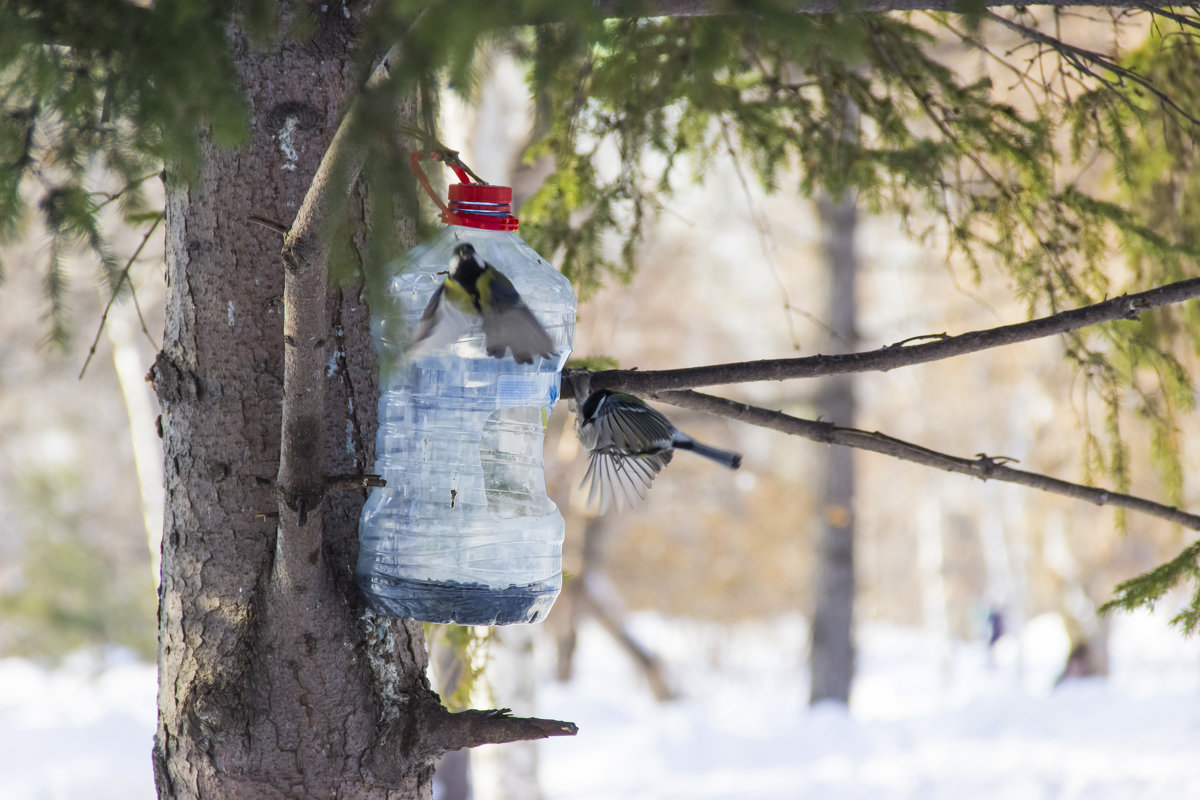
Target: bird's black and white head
x=465 y=265
x=590 y=406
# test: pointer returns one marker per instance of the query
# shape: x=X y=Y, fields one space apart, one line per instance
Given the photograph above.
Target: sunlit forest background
x=727 y=273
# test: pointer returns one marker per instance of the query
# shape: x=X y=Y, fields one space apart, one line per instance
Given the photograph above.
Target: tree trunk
x=273 y=682
x=261 y=693
x=128 y=363
x=832 y=654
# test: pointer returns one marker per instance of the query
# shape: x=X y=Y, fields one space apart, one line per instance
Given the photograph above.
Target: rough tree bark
x=234 y=720
x=272 y=682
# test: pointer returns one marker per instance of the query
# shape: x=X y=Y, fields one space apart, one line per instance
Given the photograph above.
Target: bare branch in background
x=892 y=356
x=712 y=8
x=113 y=297
x=982 y=466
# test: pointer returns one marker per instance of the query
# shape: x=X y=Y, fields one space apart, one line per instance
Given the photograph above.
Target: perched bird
x=630 y=443
x=477 y=289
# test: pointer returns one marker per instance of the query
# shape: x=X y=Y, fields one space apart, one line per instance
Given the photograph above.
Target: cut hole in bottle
x=510 y=451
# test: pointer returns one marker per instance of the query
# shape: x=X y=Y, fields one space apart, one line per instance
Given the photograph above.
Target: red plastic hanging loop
x=473 y=205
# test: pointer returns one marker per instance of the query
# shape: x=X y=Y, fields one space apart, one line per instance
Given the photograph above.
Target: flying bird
x=476 y=289
x=629 y=444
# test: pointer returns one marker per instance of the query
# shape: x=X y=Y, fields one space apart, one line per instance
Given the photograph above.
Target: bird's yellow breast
x=458 y=294
x=484 y=287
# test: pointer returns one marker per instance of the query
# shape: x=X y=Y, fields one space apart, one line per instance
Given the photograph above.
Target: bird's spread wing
x=632 y=428
x=508 y=324
x=616 y=479
x=442 y=324
x=630 y=443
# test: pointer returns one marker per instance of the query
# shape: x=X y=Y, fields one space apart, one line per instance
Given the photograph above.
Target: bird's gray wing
x=631 y=428
x=614 y=479
x=442 y=324
x=514 y=327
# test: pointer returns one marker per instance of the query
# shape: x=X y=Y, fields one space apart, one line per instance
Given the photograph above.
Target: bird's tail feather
x=725 y=457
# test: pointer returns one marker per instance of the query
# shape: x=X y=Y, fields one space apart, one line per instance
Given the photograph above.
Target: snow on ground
x=83 y=731
x=924 y=723
x=927 y=721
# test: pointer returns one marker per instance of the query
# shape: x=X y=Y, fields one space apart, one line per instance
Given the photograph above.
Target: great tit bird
x=477 y=289
x=630 y=443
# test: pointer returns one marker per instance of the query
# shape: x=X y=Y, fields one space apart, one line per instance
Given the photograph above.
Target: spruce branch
x=982 y=466
x=892 y=356
x=1093 y=64
x=1147 y=588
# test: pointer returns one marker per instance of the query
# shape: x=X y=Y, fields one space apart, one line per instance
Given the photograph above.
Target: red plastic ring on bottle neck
x=477 y=205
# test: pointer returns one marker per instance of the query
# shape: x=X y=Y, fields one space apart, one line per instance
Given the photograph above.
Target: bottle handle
x=414 y=162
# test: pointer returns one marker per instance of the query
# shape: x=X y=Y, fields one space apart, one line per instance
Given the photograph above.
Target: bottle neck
x=480 y=214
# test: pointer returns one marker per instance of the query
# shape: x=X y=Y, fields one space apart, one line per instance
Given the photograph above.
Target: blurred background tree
x=1059 y=169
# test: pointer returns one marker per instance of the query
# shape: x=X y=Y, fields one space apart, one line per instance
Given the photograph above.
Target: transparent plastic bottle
x=464 y=532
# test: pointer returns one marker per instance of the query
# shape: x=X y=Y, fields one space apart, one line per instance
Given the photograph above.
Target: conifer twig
x=1092 y=64
x=113 y=296
x=110 y=197
x=763 y=228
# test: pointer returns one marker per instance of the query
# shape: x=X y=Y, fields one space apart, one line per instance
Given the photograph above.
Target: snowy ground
x=926 y=722
x=80 y=732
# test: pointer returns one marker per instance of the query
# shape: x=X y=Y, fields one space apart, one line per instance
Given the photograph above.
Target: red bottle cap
x=475 y=205
x=479 y=205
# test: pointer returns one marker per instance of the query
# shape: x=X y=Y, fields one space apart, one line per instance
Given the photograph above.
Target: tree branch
x=429 y=729
x=348 y=483
x=301 y=482
x=646 y=662
x=1087 y=62
x=448 y=730
x=713 y=8
x=891 y=356
x=982 y=466
x=116 y=290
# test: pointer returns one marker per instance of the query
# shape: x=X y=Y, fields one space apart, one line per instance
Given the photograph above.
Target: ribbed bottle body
x=464 y=531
